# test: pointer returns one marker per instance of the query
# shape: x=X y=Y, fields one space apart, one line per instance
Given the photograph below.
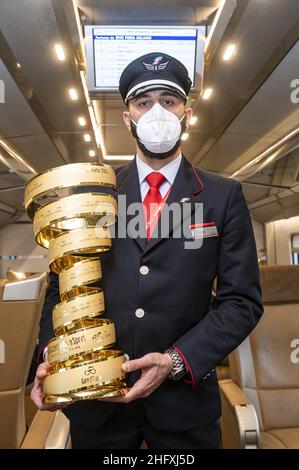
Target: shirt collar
x=169 y=171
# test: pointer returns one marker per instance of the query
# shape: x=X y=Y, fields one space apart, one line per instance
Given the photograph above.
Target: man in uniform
x=158 y=290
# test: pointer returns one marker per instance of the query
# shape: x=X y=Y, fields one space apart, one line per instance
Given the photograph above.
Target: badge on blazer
x=185 y=199
x=204 y=230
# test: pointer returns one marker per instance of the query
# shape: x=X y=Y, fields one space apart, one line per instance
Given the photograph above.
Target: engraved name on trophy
x=72 y=228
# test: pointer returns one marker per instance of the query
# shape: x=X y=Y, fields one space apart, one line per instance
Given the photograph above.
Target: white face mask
x=159 y=129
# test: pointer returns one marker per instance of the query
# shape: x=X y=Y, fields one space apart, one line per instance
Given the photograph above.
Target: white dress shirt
x=169 y=171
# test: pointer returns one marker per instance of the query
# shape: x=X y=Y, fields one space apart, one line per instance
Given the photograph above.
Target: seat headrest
x=280 y=284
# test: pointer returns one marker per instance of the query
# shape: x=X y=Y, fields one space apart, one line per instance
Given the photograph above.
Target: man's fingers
x=133 y=393
x=137 y=391
x=37 y=398
x=115 y=399
x=42 y=371
x=136 y=364
x=37 y=391
x=152 y=375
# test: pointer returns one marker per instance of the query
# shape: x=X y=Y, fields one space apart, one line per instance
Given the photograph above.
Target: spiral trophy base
x=95 y=395
x=74 y=229
x=115 y=389
x=86 y=377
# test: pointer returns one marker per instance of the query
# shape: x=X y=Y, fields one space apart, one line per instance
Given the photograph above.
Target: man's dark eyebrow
x=164 y=93
x=139 y=97
x=170 y=93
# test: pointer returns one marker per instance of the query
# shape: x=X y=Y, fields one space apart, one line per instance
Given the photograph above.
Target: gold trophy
x=74 y=229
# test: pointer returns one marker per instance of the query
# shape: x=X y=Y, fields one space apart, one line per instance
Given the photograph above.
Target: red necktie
x=153 y=201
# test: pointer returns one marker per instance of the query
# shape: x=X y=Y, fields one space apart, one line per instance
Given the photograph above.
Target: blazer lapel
x=128 y=186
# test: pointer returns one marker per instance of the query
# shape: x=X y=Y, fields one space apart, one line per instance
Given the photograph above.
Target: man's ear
x=188 y=114
x=127 y=120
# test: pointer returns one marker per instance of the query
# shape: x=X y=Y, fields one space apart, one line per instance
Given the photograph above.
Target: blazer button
x=139 y=312
x=144 y=270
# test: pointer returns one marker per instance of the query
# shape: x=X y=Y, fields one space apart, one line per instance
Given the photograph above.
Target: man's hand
x=155 y=368
x=37 y=390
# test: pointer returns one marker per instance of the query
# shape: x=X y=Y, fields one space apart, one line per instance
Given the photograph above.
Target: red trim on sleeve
x=40 y=355
x=192 y=381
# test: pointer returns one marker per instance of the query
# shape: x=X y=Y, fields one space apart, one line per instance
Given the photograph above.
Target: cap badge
x=157 y=64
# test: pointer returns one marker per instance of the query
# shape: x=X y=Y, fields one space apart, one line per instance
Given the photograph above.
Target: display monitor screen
x=109 y=49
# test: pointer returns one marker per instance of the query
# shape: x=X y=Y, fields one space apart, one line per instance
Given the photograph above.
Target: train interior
x=245 y=126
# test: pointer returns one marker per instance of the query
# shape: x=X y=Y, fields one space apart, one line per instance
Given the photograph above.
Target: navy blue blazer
x=175 y=296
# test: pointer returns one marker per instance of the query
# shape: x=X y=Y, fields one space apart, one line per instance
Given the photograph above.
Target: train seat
x=222 y=370
x=260 y=401
x=20 y=310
